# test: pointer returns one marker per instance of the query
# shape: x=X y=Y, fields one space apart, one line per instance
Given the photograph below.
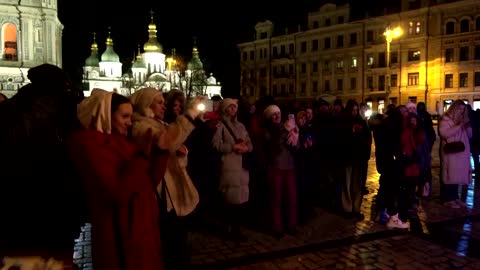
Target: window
x=339 y=63
x=353 y=83
x=328 y=22
x=381 y=105
x=418 y=28
x=413 y=78
x=263 y=35
x=38 y=35
x=463 y=79
x=393 y=58
x=303 y=88
x=414 y=55
x=327 y=43
x=304 y=68
x=340 y=19
x=477 y=23
x=464 y=26
x=464 y=54
x=369 y=36
x=252 y=55
x=315 y=45
x=282 y=70
x=412 y=99
x=353 y=38
x=381 y=82
x=283 y=91
x=314 y=86
x=450 y=28
x=315 y=67
x=370 y=83
x=252 y=91
x=275 y=89
x=354 y=62
x=327 y=65
x=448 y=80
x=291 y=49
x=275 y=52
x=477 y=52
x=370 y=60
x=244 y=56
x=339 y=85
x=291 y=90
x=340 y=41
x=316 y=24
x=291 y=70
x=382 y=60
x=477 y=78
x=449 y=55
x=327 y=86
x=393 y=80
x=414 y=28
x=303 y=47
x=282 y=50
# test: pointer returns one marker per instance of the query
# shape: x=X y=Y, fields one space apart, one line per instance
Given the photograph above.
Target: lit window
x=417 y=28
x=354 y=62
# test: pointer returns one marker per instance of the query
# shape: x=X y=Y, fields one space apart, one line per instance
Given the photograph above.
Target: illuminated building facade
x=435 y=59
x=30 y=35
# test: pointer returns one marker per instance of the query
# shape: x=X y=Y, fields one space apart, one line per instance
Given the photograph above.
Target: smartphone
x=206 y=105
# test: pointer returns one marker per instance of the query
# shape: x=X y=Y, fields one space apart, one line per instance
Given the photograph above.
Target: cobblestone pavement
x=441 y=238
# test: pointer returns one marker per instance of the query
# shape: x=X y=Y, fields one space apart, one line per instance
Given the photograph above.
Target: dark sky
x=217 y=26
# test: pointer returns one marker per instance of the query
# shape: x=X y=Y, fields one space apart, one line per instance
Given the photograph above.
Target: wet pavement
x=440 y=238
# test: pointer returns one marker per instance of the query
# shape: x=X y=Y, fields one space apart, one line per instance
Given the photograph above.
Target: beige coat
x=182 y=192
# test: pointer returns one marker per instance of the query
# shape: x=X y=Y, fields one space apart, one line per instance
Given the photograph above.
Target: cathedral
x=31 y=35
x=149 y=69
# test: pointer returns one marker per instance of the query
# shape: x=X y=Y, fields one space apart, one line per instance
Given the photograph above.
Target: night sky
x=218 y=27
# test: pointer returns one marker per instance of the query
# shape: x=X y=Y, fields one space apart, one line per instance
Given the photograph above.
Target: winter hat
x=227 y=102
x=411 y=105
x=270 y=110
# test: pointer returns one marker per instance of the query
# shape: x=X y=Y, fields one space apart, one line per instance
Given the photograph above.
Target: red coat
x=124 y=209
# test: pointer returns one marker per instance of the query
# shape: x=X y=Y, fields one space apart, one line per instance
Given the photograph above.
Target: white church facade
x=150 y=68
x=30 y=35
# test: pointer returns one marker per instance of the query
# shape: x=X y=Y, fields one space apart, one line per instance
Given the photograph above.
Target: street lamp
x=390 y=34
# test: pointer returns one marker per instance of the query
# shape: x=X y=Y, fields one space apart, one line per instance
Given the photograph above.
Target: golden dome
x=152 y=45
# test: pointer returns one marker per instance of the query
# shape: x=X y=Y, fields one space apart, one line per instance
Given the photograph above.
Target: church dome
x=139 y=63
x=195 y=63
x=211 y=80
x=92 y=60
x=109 y=55
x=152 y=45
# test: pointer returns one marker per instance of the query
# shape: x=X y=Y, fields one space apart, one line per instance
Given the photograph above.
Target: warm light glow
x=201 y=107
x=368 y=113
x=393 y=33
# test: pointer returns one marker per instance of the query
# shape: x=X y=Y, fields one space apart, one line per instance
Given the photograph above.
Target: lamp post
x=390 y=34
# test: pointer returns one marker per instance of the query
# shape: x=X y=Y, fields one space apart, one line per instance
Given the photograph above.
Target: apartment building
x=434 y=59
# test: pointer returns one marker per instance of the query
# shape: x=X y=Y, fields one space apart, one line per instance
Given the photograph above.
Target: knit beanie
x=270 y=110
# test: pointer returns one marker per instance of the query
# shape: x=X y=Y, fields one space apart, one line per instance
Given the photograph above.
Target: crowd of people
x=146 y=168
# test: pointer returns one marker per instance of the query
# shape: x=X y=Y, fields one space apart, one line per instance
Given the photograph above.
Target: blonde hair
x=453 y=109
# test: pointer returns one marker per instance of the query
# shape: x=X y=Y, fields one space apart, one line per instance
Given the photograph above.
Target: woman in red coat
x=121 y=195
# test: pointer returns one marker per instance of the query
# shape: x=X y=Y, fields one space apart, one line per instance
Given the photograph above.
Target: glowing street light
x=390 y=34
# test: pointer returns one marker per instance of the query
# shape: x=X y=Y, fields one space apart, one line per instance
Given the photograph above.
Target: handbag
x=454 y=147
x=247 y=162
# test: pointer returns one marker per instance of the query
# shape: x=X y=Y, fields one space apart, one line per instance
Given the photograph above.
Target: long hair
x=172 y=96
x=454 y=107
